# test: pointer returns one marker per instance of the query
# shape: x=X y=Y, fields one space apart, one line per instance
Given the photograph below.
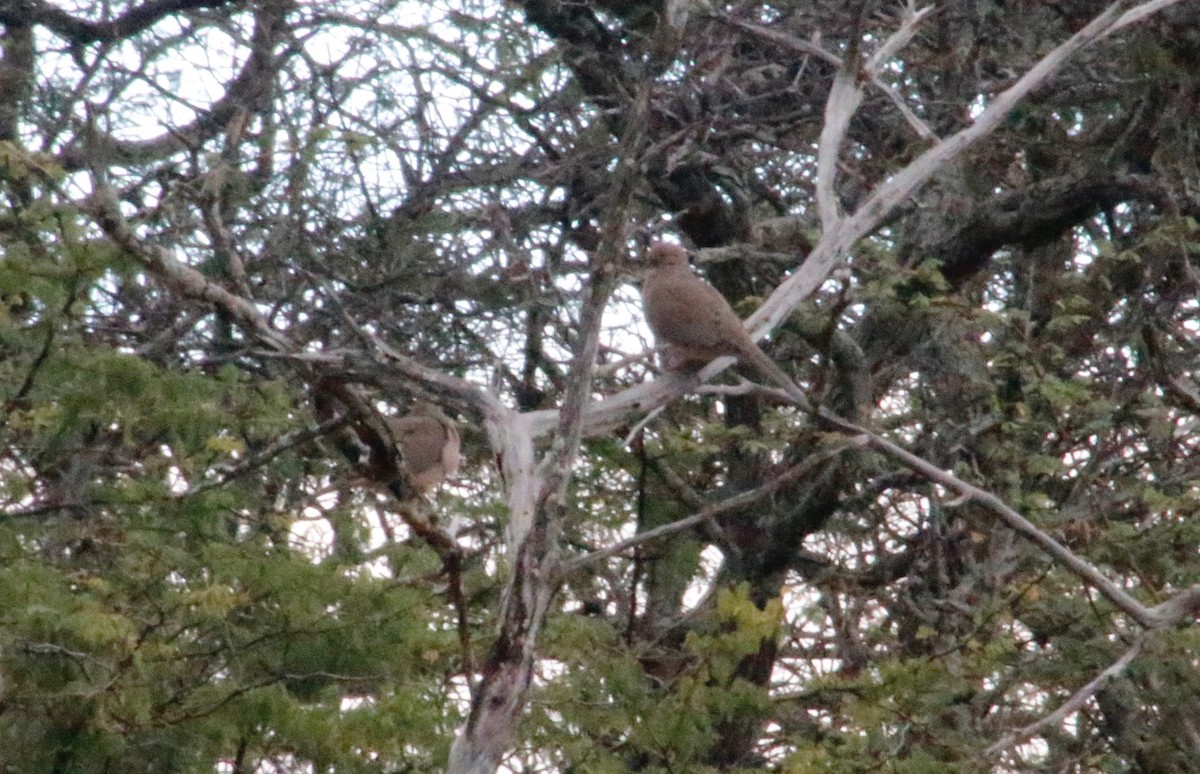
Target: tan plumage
x=692 y=322
x=429 y=446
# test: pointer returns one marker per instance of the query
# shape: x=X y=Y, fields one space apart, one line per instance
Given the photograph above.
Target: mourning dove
x=428 y=444
x=693 y=323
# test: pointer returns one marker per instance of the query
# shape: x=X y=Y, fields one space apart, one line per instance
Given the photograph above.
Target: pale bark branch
x=922 y=129
x=845 y=96
x=911 y=18
x=1115 y=594
x=1142 y=11
x=177 y=276
x=834 y=245
x=1177 y=610
x=808 y=48
x=896 y=41
x=1174 y=611
x=499 y=699
x=1070 y=706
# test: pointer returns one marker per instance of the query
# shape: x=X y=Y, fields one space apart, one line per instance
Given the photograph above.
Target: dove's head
x=663 y=255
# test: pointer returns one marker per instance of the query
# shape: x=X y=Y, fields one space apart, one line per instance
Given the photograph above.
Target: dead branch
x=1070 y=706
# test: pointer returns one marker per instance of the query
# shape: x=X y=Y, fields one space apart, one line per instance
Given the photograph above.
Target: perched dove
x=428 y=444
x=693 y=323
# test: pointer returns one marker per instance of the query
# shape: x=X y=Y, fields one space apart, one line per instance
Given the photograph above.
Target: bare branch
x=247 y=91
x=800 y=46
x=1136 y=14
x=1179 y=609
x=1080 y=568
x=133 y=21
x=892 y=46
x=834 y=245
x=1071 y=705
x=499 y=698
x=103 y=206
x=898 y=39
x=844 y=98
x=262 y=456
x=923 y=130
x=730 y=505
x=783 y=40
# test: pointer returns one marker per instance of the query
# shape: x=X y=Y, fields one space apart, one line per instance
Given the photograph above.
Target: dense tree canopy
x=237 y=235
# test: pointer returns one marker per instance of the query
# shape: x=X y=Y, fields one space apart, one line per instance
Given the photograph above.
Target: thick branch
x=499 y=698
x=248 y=91
x=590 y=50
x=1037 y=212
x=84 y=31
x=16 y=75
x=845 y=95
x=844 y=98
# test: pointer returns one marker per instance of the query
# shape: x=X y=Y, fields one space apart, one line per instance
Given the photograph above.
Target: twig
x=729 y=505
x=1016 y=521
x=800 y=46
x=892 y=46
x=265 y=455
x=829 y=251
x=176 y=275
x=641 y=424
x=898 y=39
x=1073 y=704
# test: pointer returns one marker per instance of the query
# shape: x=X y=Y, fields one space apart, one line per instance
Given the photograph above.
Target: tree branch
x=708 y=513
x=83 y=31
x=835 y=244
x=614 y=410
x=248 y=91
x=845 y=96
x=1070 y=706
x=499 y=698
x=803 y=47
x=1039 y=211
x=1166 y=614
x=178 y=277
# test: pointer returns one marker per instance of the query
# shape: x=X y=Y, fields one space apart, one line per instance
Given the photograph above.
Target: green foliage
x=611 y=707
x=193 y=582
x=149 y=629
